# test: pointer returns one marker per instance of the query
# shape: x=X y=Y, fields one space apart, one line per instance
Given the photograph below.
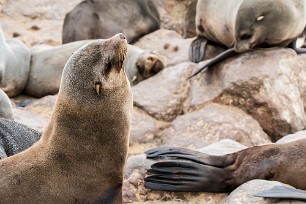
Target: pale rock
x=212 y=123
x=162 y=96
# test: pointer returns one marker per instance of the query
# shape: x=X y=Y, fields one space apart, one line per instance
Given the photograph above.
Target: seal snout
x=122 y=36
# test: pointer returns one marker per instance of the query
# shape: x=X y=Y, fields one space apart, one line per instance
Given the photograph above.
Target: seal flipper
x=198 y=157
x=186 y=176
x=223 y=55
x=298 y=50
x=283 y=192
x=197 y=49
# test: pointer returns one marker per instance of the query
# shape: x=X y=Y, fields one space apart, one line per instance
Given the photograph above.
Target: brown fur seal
x=81 y=156
x=197 y=171
x=47 y=65
x=5 y=106
x=14 y=65
x=92 y=19
x=247 y=24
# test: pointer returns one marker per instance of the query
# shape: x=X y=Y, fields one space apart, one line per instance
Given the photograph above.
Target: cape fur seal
x=197 y=171
x=47 y=65
x=81 y=156
x=246 y=24
x=5 y=106
x=14 y=65
x=92 y=19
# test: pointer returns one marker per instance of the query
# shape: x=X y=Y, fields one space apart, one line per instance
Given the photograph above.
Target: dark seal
x=93 y=19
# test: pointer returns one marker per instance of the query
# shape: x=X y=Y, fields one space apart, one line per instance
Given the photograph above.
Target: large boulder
x=162 y=96
x=212 y=123
x=262 y=83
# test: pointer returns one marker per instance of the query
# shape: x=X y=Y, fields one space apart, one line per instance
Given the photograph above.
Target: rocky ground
x=252 y=99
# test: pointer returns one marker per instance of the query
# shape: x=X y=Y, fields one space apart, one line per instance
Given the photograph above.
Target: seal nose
x=122 y=36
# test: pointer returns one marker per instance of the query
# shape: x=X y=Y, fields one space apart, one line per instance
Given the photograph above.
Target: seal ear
x=260 y=18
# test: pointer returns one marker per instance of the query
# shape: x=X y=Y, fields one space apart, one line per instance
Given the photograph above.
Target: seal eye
x=245 y=36
x=108 y=66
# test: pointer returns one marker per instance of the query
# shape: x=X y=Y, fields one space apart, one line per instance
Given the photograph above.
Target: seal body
x=92 y=19
x=14 y=65
x=47 y=65
x=247 y=24
x=15 y=137
x=5 y=106
x=81 y=156
x=187 y=170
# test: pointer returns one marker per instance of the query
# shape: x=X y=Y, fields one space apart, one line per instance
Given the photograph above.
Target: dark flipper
x=283 y=192
x=226 y=54
x=185 y=176
x=298 y=50
x=181 y=153
x=197 y=49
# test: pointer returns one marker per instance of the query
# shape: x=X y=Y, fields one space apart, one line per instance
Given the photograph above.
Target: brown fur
x=81 y=156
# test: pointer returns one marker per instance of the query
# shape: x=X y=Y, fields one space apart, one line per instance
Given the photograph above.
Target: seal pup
x=142 y=64
x=187 y=170
x=92 y=19
x=14 y=65
x=47 y=65
x=81 y=156
x=5 y=106
x=246 y=24
x=15 y=137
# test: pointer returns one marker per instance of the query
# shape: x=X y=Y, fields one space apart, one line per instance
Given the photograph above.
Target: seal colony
x=81 y=156
x=47 y=66
x=187 y=170
x=244 y=25
x=92 y=19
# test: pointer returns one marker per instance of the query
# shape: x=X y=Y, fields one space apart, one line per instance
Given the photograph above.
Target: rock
x=211 y=124
x=168 y=43
x=292 y=137
x=300 y=74
x=226 y=146
x=245 y=193
x=162 y=95
x=30 y=119
x=19 y=16
x=144 y=128
x=262 y=83
x=43 y=106
x=178 y=15
x=172 y=45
